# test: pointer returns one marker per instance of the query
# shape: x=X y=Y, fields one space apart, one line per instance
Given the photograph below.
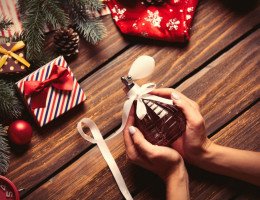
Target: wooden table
x=218 y=68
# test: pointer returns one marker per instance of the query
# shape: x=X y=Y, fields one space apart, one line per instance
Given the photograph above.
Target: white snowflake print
x=119 y=13
x=188 y=17
x=176 y=1
x=173 y=24
x=154 y=18
x=190 y=9
x=135 y=26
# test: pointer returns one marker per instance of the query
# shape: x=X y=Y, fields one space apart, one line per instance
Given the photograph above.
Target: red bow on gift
x=59 y=78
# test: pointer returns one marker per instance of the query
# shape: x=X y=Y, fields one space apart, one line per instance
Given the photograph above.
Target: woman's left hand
x=163 y=161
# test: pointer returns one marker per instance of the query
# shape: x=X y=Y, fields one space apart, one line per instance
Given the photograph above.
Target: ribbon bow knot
x=19 y=45
x=59 y=78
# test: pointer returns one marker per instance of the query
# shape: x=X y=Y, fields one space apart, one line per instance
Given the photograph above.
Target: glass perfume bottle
x=163 y=123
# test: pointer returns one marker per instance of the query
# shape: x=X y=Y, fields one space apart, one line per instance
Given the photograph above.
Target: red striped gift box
x=58 y=101
x=9 y=10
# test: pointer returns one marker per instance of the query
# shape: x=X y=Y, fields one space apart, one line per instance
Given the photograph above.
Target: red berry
x=20 y=132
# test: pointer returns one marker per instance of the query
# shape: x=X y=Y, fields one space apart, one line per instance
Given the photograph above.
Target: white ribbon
x=138 y=93
x=135 y=93
x=99 y=140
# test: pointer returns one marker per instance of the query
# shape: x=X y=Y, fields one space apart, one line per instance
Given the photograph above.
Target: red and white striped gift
x=58 y=101
x=9 y=10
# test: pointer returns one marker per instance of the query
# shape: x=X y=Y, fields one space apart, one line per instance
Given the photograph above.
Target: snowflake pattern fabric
x=170 y=21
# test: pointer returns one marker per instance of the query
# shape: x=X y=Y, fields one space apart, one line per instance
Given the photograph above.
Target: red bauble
x=20 y=132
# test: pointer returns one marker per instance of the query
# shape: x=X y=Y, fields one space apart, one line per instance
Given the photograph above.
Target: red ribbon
x=59 y=78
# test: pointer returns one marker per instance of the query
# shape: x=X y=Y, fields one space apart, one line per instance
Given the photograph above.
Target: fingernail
x=132 y=130
x=175 y=96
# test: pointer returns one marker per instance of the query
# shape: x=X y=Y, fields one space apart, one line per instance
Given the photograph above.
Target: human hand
x=163 y=161
x=193 y=144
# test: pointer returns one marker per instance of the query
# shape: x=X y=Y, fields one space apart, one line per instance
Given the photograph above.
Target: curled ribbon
x=59 y=78
x=99 y=140
x=138 y=93
x=19 y=45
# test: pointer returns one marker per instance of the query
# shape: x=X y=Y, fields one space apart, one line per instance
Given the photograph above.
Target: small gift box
x=12 y=58
x=51 y=91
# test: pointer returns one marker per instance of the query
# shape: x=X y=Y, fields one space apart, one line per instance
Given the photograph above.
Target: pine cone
x=66 y=42
x=152 y=2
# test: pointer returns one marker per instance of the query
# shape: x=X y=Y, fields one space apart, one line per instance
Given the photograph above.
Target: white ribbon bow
x=138 y=93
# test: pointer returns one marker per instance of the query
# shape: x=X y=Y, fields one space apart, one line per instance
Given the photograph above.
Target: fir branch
x=92 y=30
x=91 y=5
x=33 y=26
x=54 y=14
x=10 y=106
x=87 y=25
x=5 y=23
x=4 y=151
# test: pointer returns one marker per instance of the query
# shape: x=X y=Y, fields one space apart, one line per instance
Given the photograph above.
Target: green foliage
x=5 y=23
x=89 y=27
x=54 y=14
x=93 y=31
x=10 y=106
x=36 y=14
x=4 y=151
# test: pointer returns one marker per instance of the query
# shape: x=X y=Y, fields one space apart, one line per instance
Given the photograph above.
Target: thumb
x=189 y=112
x=144 y=147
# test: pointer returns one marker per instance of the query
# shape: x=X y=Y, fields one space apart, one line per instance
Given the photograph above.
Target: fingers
x=131 y=151
x=143 y=146
x=167 y=92
x=191 y=112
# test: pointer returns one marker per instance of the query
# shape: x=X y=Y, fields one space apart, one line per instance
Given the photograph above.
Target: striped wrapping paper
x=58 y=101
x=8 y=9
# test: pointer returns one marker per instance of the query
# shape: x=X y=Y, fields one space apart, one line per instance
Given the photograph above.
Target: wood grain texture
x=91 y=179
x=242 y=133
x=59 y=143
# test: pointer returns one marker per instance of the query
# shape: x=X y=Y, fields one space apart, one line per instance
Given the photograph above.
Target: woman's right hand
x=194 y=142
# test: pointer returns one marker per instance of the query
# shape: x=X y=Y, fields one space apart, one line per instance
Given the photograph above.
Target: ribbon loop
x=59 y=78
x=99 y=140
x=19 y=45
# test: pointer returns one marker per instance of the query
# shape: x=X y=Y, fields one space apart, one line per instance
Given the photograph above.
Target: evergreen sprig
x=33 y=25
x=5 y=23
x=10 y=106
x=93 y=31
x=88 y=26
x=36 y=14
x=4 y=151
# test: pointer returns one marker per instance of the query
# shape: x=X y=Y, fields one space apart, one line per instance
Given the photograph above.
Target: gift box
x=12 y=58
x=51 y=91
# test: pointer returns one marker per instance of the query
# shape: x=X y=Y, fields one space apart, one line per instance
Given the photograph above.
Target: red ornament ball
x=20 y=132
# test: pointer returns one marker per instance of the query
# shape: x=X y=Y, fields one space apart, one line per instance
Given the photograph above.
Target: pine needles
x=5 y=23
x=4 y=151
x=37 y=14
x=10 y=106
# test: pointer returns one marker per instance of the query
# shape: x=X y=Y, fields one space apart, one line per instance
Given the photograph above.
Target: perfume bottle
x=163 y=123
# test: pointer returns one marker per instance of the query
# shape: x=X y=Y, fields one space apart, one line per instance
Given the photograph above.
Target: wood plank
x=59 y=142
x=242 y=133
x=90 y=178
